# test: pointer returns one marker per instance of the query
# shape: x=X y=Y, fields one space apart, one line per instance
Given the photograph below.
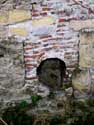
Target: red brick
x=27 y=61
x=34 y=55
x=47 y=49
x=35 y=14
x=61 y=20
x=60 y=12
x=34 y=11
x=45 y=40
x=32 y=78
x=28 y=48
x=36 y=46
x=42 y=50
x=44 y=14
x=58 y=30
x=40 y=55
x=28 y=56
x=45 y=36
x=46 y=9
x=60 y=26
x=30 y=65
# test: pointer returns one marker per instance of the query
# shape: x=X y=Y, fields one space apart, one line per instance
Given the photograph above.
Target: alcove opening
x=51 y=72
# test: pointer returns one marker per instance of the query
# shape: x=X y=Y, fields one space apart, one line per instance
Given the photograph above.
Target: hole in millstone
x=51 y=72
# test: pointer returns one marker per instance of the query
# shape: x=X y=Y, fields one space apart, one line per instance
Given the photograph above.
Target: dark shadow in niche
x=51 y=72
x=1 y=55
x=2 y=51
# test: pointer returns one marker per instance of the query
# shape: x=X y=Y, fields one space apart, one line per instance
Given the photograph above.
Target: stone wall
x=84 y=82
x=45 y=29
x=11 y=70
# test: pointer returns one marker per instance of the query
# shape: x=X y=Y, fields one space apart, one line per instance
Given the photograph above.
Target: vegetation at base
x=56 y=120
x=35 y=99
x=17 y=115
x=65 y=86
x=51 y=95
x=79 y=113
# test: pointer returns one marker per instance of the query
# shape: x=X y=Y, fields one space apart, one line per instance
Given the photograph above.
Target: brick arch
x=51 y=54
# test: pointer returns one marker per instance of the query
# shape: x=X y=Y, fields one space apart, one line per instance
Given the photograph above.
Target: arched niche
x=51 y=72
